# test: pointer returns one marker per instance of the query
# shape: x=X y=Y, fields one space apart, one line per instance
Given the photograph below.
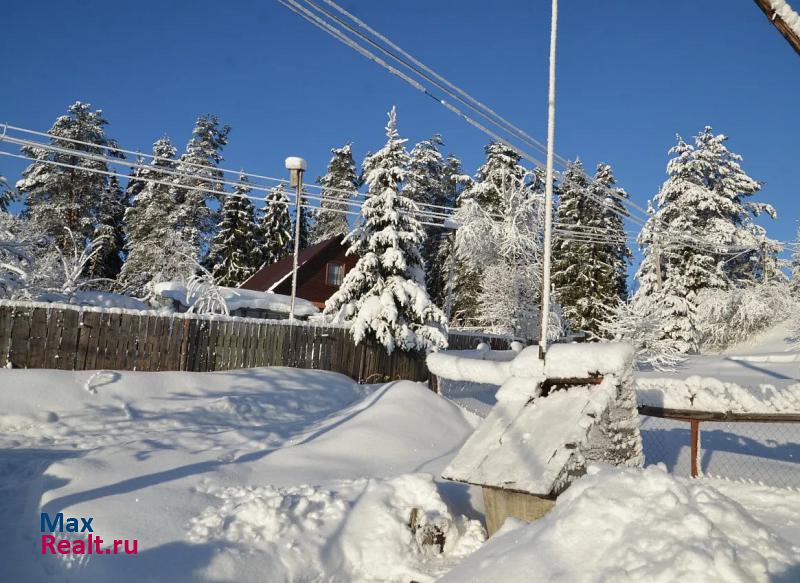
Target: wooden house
x=321 y=270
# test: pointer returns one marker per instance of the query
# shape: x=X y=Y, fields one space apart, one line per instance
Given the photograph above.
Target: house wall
x=311 y=279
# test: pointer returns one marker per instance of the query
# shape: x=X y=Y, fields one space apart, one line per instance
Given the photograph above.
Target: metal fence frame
x=695 y=418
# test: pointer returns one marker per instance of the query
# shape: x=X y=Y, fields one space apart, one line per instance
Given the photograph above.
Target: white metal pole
x=297 y=217
x=548 y=205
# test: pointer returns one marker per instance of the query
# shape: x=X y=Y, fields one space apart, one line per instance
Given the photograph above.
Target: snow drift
x=273 y=473
x=632 y=525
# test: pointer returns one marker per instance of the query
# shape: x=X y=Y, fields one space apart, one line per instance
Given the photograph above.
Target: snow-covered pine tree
x=704 y=198
x=193 y=216
x=384 y=295
x=106 y=264
x=60 y=197
x=275 y=227
x=341 y=177
x=235 y=252
x=148 y=221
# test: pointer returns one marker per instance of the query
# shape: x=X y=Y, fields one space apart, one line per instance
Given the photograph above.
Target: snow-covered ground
x=251 y=475
x=278 y=474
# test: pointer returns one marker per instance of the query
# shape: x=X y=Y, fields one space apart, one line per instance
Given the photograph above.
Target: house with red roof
x=320 y=272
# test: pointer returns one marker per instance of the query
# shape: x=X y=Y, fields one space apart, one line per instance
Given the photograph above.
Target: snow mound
x=352 y=530
x=710 y=394
x=633 y=525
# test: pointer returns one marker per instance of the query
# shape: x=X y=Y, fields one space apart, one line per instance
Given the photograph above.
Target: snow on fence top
x=237 y=298
x=539 y=444
x=563 y=361
x=699 y=393
x=166 y=313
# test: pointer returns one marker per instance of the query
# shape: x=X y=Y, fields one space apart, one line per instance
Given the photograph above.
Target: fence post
x=695 y=424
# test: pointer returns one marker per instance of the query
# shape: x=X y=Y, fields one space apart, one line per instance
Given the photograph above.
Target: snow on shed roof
x=237 y=298
x=529 y=443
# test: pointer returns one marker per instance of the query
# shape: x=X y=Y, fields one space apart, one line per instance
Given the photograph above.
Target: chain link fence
x=765 y=452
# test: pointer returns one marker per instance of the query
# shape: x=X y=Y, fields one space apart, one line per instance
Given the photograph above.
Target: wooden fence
x=38 y=335
x=74 y=338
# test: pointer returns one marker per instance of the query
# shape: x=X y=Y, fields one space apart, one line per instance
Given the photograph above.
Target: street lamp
x=296 y=166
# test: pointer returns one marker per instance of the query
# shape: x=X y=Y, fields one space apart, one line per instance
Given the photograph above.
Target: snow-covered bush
x=640 y=323
x=17 y=251
x=726 y=317
x=203 y=295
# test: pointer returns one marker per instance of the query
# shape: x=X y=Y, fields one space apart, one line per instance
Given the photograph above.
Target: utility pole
x=296 y=167
x=548 y=192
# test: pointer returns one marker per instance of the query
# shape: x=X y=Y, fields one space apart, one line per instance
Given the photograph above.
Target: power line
x=337 y=33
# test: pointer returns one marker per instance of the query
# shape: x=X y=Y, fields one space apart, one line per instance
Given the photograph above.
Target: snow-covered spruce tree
x=305 y=224
x=7 y=195
x=107 y=263
x=148 y=221
x=433 y=180
x=573 y=267
x=508 y=250
x=275 y=227
x=235 y=252
x=62 y=199
x=616 y=254
x=589 y=273
x=341 y=177
x=501 y=167
x=384 y=295
x=440 y=241
x=704 y=198
x=192 y=216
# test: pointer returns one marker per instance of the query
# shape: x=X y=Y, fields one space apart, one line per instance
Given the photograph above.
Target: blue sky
x=630 y=76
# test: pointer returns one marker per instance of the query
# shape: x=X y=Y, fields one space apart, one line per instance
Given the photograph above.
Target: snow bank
x=710 y=394
x=237 y=298
x=353 y=530
x=633 y=525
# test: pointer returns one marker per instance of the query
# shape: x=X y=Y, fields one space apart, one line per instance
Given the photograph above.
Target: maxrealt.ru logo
x=90 y=545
